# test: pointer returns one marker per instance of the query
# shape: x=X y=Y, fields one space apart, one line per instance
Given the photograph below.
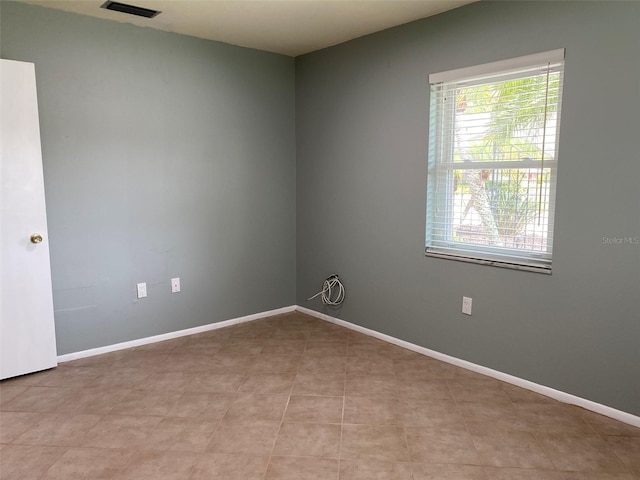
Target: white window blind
x=493 y=156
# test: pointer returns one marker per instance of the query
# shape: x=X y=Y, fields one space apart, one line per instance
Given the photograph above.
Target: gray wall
x=164 y=155
x=362 y=123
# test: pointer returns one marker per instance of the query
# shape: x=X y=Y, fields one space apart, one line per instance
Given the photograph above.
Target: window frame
x=442 y=146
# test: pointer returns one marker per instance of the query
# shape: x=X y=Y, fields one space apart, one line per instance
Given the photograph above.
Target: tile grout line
x=602 y=437
x=284 y=412
x=404 y=427
x=466 y=426
x=344 y=406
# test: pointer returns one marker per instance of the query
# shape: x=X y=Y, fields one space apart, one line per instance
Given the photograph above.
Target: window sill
x=491 y=262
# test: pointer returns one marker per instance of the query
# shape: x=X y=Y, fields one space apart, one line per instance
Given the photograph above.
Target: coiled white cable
x=330 y=286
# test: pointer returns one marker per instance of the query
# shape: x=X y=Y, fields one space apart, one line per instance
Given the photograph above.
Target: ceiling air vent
x=130 y=9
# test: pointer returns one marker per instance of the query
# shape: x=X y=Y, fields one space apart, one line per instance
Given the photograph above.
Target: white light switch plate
x=175 y=285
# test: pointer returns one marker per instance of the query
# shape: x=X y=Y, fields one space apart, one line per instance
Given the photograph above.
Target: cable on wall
x=332 y=292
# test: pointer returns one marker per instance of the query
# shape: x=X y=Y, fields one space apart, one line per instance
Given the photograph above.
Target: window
x=493 y=157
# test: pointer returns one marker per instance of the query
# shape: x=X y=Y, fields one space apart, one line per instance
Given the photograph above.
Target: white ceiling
x=290 y=27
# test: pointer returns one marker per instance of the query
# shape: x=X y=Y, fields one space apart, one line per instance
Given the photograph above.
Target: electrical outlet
x=142 y=290
x=466 y=305
x=175 y=285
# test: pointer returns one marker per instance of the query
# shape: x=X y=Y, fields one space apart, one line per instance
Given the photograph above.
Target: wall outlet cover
x=142 y=290
x=466 y=305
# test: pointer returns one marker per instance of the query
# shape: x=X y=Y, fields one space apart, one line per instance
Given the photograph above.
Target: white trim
x=459 y=256
x=459 y=74
x=505 y=377
x=168 y=336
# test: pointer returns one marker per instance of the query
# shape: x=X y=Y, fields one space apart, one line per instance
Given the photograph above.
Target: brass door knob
x=36 y=238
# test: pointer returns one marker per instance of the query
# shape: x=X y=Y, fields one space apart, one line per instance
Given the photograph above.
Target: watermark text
x=622 y=240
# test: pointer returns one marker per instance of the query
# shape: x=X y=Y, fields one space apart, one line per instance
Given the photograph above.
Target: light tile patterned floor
x=293 y=397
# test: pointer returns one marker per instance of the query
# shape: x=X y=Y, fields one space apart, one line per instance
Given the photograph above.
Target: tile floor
x=293 y=397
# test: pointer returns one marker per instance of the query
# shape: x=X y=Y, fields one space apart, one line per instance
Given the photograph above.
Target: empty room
x=320 y=240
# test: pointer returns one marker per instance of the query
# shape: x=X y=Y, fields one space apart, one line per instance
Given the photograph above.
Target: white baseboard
x=505 y=377
x=168 y=336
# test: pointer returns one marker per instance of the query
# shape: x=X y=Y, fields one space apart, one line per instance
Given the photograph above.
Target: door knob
x=36 y=238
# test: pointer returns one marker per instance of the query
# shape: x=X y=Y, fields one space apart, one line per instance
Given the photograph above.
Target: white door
x=27 y=334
